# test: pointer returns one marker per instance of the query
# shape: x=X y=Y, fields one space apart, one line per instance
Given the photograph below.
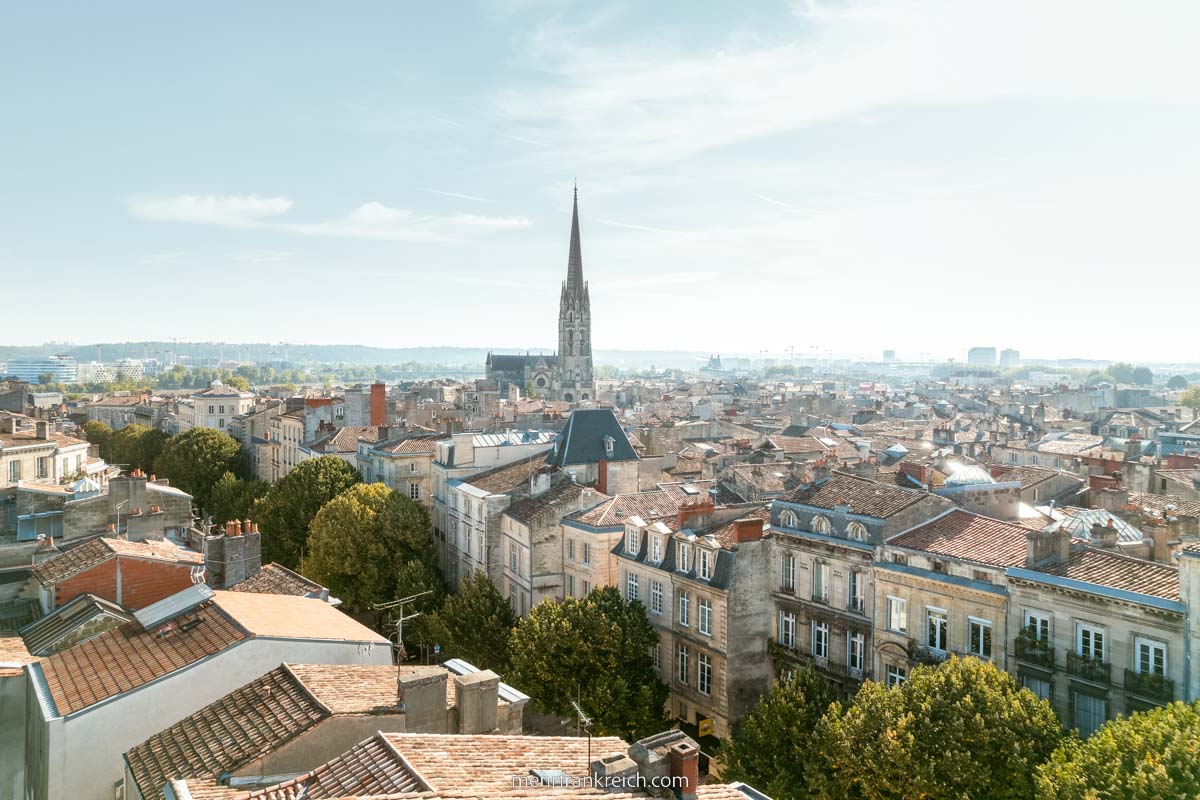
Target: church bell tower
x=573 y=364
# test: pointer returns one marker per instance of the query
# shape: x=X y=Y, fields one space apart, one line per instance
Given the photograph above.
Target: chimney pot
x=685 y=766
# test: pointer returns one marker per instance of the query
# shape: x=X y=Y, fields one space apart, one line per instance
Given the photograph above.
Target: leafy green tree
x=478 y=624
x=1177 y=382
x=1143 y=376
x=99 y=434
x=595 y=649
x=1147 y=756
x=773 y=746
x=46 y=378
x=1121 y=372
x=361 y=541
x=960 y=730
x=196 y=459
x=136 y=447
x=286 y=510
x=234 y=498
x=1191 y=399
x=238 y=382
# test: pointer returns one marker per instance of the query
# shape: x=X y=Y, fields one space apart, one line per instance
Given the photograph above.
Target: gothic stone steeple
x=573 y=366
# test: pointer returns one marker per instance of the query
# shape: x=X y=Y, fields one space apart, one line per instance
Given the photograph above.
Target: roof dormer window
x=609 y=442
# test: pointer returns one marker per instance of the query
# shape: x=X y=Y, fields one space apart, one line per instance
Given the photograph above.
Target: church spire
x=575 y=259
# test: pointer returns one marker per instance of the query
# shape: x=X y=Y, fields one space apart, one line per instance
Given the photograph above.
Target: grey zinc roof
x=582 y=440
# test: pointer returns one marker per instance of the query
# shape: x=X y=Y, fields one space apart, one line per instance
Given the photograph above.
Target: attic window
x=608 y=446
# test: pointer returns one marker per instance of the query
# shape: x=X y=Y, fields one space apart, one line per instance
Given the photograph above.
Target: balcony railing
x=1035 y=651
x=857 y=605
x=1149 y=685
x=1088 y=668
x=829 y=666
x=922 y=654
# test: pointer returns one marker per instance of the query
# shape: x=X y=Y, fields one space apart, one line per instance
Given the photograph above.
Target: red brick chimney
x=378 y=404
x=689 y=511
x=685 y=769
x=602 y=476
x=747 y=530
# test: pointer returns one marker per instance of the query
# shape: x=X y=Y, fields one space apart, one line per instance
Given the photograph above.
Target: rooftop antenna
x=583 y=721
x=400 y=604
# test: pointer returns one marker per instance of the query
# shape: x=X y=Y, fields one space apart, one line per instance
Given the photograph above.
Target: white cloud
x=371 y=220
x=231 y=211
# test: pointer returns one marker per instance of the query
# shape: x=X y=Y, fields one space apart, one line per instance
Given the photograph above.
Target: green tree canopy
x=136 y=447
x=234 y=498
x=1177 y=382
x=196 y=459
x=772 y=747
x=361 y=541
x=1191 y=398
x=960 y=730
x=1121 y=372
x=1143 y=376
x=286 y=510
x=595 y=649
x=1147 y=756
x=99 y=434
x=477 y=624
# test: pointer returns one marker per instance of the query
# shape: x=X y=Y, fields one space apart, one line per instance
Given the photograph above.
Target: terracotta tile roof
x=277 y=579
x=508 y=477
x=1027 y=476
x=687 y=491
x=724 y=533
x=224 y=735
x=359 y=688
x=862 y=495
x=797 y=444
x=369 y=768
x=417 y=443
x=617 y=509
x=484 y=765
x=1177 y=505
x=12 y=650
x=560 y=495
x=970 y=537
x=1118 y=571
x=100 y=549
x=123 y=659
x=345 y=440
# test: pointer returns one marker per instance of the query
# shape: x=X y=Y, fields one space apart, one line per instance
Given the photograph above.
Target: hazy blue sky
x=849 y=176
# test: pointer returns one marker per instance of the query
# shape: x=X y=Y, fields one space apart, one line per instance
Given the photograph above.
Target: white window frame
x=1086 y=632
x=987 y=643
x=683 y=556
x=894 y=675
x=681 y=664
x=656 y=597
x=856 y=596
x=631 y=541
x=788 y=519
x=656 y=549
x=933 y=615
x=820 y=524
x=631 y=587
x=1039 y=623
x=587 y=552
x=857 y=531
x=856 y=648
x=705 y=570
x=1152 y=646
x=685 y=610
x=704 y=616
x=897 y=610
x=570 y=549
x=703 y=674
x=787 y=629
x=820 y=582
x=787 y=573
x=820 y=640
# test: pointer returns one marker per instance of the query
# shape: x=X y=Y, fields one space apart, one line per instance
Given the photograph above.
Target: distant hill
x=339 y=353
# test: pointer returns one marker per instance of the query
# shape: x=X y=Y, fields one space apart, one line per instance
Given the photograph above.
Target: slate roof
x=277 y=579
x=1117 y=571
x=970 y=537
x=17 y=613
x=97 y=551
x=42 y=636
x=582 y=440
x=863 y=496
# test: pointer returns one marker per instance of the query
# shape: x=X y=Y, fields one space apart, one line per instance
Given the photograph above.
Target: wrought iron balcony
x=922 y=654
x=1149 y=685
x=1034 y=650
x=1088 y=668
x=830 y=667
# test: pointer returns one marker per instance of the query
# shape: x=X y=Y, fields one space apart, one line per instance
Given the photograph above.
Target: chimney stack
x=685 y=768
x=42 y=427
x=1104 y=536
x=747 y=530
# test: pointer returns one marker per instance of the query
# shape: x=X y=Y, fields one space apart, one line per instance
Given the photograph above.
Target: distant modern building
x=981 y=357
x=889 y=355
x=31 y=368
x=1010 y=358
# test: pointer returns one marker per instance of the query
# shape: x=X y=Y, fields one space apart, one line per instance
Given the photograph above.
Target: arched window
x=857 y=531
x=820 y=525
x=787 y=518
x=568 y=397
